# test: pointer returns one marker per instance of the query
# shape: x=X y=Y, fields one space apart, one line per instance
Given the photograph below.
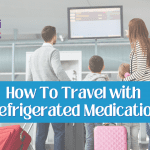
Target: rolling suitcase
x=110 y=138
x=74 y=136
x=14 y=138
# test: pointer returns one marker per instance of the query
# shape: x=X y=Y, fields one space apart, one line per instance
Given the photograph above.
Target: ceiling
x=30 y=16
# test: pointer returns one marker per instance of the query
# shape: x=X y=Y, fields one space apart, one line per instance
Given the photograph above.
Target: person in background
x=96 y=65
x=45 y=65
x=132 y=128
x=140 y=53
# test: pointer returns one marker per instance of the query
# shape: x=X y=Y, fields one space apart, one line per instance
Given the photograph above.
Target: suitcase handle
x=107 y=124
x=21 y=135
x=29 y=127
x=73 y=124
x=22 y=138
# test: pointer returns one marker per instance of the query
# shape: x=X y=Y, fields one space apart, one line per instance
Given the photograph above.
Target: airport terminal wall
x=114 y=52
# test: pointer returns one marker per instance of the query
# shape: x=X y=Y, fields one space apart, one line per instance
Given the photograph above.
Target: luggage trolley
x=143 y=138
x=32 y=131
x=30 y=127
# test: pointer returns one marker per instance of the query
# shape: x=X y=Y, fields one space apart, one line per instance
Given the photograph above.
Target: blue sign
x=76 y=102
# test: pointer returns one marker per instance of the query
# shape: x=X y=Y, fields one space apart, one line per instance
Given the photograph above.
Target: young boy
x=96 y=65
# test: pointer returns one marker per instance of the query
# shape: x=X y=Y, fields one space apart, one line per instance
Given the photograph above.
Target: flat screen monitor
x=95 y=22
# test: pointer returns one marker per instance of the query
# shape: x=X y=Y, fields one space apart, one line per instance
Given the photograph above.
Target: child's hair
x=123 y=68
x=96 y=63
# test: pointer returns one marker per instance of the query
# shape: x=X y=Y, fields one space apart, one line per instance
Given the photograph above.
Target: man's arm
x=29 y=74
x=57 y=67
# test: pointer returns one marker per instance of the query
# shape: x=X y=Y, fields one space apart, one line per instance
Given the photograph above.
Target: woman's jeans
x=89 y=127
x=59 y=135
x=148 y=133
x=132 y=130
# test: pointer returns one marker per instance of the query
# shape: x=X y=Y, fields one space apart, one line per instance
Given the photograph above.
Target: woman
x=140 y=53
x=139 y=64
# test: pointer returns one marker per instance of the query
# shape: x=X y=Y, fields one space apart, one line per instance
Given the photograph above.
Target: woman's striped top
x=138 y=65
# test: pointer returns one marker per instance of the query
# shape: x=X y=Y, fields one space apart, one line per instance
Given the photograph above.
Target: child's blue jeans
x=89 y=127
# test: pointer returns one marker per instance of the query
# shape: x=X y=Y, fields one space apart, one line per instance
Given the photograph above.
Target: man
x=45 y=65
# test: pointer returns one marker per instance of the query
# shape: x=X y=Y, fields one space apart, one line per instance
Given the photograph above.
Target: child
x=96 y=65
x=132 y=128
x=124 y=70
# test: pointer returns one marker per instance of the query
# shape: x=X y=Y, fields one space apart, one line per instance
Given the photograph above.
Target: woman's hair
x=138 y=32
x=123 y=68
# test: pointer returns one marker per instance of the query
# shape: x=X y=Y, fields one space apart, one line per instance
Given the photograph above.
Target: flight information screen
x=95 y=22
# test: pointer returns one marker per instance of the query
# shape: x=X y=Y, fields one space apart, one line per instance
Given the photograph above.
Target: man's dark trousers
x=59 y=135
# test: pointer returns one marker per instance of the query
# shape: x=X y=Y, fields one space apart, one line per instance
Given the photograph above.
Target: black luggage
x=74 y=136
